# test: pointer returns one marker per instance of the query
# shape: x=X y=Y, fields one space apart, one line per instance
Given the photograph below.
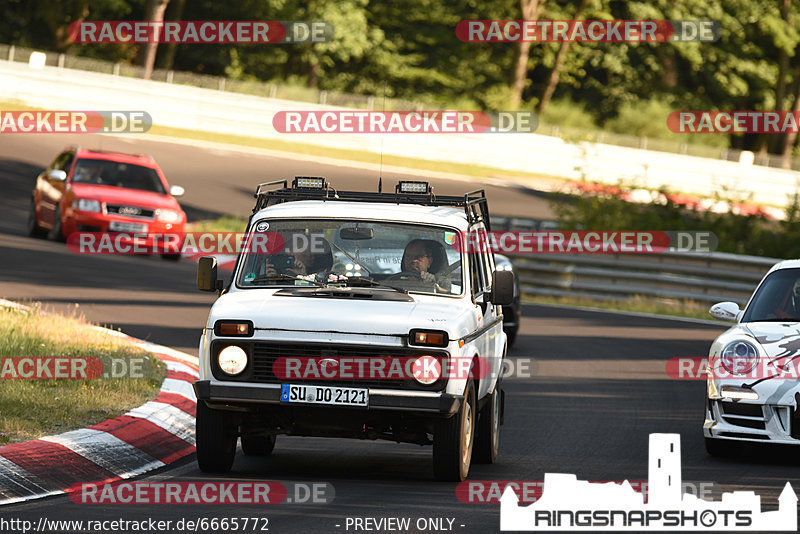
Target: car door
x=51 y=191
x=480 y=268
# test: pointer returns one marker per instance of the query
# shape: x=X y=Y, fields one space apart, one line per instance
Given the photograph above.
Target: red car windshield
x=116 y=174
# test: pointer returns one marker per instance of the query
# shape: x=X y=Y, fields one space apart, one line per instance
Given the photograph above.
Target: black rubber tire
x=33 y=228
x=511 y=336
x=258 y=445
x=216 y=440
x=453 y=440
x=171 y=257
x=55 y=233
x=721 y=447
x=487 y=434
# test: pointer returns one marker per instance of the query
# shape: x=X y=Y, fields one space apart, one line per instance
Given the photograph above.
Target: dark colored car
x=513 y=313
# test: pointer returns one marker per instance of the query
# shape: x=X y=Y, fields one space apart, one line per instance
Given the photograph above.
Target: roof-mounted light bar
x=419 y=188
x=309 y=182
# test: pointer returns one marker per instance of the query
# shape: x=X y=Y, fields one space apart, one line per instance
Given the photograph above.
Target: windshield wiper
x=285 y=278
x=365 y=282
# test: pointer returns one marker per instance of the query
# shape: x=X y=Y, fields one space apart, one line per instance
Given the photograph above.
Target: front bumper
x=751 y=422
x=245 y=395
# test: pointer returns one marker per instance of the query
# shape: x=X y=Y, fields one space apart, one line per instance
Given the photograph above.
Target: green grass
x=36 y=408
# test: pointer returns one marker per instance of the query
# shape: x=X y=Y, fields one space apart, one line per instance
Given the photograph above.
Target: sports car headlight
x=232 y=360
x=739 y=357
x=168 y=216
x=85 y=204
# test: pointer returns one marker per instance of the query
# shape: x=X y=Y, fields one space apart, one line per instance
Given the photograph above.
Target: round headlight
x=426 y=370
x=739 y=357
x=232 y=359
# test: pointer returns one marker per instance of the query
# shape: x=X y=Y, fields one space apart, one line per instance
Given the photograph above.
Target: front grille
x=130 y=211
x=264 y=355
x=744 y=415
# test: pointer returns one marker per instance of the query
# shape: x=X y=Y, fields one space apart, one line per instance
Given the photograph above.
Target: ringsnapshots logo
x=570 y=504
x=587 y=31
x=37 y=121
x=405 y=122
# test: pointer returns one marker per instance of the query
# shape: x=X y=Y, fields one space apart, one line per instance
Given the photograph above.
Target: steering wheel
x=405 y=275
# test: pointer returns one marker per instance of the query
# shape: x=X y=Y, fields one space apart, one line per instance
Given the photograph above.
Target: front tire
x=33 y=228
x=258 y=445
x=487 y=438
x=216 y=440
x=55 y=233
x=453 y=440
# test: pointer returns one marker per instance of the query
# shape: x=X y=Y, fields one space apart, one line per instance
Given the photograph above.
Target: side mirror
x=502 y=288
x=725 y=311
x=57 y=175
x=176 y=190
x=207 y=274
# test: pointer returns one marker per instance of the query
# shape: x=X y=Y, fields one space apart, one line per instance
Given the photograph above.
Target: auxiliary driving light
x=232 y=360
x=733 y=392
x=309 y=182
x=413 y=187
x=426 y=370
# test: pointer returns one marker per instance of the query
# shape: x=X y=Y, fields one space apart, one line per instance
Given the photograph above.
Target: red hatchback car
x=96 y=191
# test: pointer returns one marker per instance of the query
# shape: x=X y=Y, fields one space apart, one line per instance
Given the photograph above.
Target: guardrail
x=225 y=113
x=702 y=277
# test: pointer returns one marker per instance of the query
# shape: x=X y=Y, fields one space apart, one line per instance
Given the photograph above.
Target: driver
x=428 y=260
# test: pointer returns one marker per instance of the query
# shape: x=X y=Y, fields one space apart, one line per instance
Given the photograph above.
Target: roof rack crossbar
x=475 y=204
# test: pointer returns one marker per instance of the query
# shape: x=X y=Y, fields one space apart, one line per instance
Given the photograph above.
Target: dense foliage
x=410 y=48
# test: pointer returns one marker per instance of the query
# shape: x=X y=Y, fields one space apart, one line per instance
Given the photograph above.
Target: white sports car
x=753 y=386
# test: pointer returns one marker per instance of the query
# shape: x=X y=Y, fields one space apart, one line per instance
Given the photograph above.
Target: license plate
x=117 y=226
x=325 y=395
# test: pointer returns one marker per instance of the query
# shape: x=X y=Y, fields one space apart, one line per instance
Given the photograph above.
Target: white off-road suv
x=362 y=315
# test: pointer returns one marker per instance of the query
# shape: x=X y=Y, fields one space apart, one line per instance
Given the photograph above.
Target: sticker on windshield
x=262 y=227
x=449 y=237
x=249 y=277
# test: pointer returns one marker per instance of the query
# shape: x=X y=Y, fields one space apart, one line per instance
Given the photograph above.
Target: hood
x=327 y=314
x=120 y=195
x=777 y=339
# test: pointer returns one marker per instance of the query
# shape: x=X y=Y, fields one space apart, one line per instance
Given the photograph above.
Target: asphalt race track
x=599 y=391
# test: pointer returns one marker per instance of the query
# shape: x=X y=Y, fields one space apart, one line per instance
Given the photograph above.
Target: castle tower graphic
x=571 y=504
x=664 y=470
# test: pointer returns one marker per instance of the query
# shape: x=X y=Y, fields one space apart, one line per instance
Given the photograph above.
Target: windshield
x=778 y=298
x=406 y=257
x=115 y=174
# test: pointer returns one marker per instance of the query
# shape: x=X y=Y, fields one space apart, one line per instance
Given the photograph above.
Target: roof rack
x=474 y=203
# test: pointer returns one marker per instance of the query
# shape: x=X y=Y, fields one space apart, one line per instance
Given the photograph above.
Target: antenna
x=380 y=171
